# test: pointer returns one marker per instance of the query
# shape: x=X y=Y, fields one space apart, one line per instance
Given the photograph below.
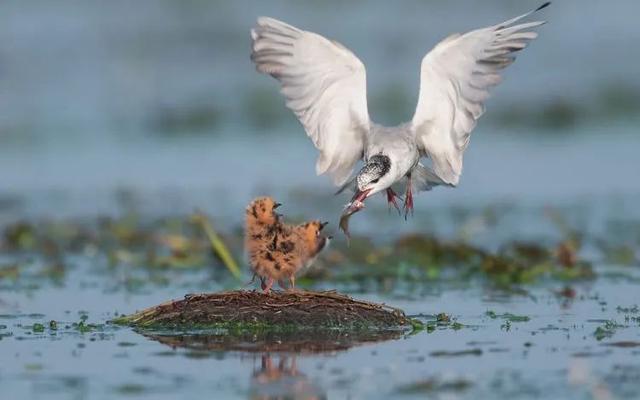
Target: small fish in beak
x=356 y=204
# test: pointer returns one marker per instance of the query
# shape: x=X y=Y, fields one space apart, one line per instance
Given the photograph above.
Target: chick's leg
x=292 y=281
x=266 y=287
x=253 y=279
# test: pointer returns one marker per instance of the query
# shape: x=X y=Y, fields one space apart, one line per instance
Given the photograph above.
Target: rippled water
x=557 y=338
x=553 y=353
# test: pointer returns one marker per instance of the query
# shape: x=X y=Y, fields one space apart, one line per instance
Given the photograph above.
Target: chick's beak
x=276 y=205
x=323 y=224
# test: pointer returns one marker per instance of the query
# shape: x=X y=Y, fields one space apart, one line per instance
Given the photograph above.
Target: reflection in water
x=581 y=375
x=282 y=380
x=304 y=342
x=278 y=376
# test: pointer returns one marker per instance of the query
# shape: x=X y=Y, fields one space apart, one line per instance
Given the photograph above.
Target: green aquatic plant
x=148 y=249
x=218 y=245
x=606 y=330
x=456 y=326
x=130 y=389
x=458 y=353
x=628 y=310
x=434 y=386
x=430 y=323
x=417 y=257
x=33 y=367
x=83 y=327
x=622 y=254
x=443 y=318
x=20 y=236
x=507 y=316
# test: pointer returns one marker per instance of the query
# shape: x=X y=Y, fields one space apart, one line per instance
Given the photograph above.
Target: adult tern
x=324 y=84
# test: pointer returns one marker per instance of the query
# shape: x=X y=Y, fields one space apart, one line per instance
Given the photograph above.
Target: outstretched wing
x=455 y=78
x=325 y=86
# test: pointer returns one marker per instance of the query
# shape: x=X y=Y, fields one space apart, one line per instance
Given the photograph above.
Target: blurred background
x=120 y=118
x=158 y=101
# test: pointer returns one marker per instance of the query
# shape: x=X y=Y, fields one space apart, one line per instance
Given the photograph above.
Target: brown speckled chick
x=261 y=224
x=294 y=249
x=261 y=220
x=278 y=251
x=312 y=242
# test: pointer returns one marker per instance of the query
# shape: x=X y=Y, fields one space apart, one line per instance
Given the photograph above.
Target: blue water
x=554 y=354
x=154 y=108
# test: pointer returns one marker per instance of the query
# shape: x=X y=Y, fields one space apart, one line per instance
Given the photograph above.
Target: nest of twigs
x=244 y=311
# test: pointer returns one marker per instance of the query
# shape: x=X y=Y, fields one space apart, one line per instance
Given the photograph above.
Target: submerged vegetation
x=430 y=323
x=420 y=257
x=607 y=329
x=150 y=250
x=468 y=301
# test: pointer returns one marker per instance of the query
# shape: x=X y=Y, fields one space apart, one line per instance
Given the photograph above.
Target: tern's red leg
x=391 y=199
x=408 y=199
x=266 y=287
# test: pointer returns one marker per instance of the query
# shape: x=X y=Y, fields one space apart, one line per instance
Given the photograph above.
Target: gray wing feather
x=455 y=80
x=325 y=86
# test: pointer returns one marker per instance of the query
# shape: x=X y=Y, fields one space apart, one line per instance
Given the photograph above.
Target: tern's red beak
x=360 y=195
x=357 y=202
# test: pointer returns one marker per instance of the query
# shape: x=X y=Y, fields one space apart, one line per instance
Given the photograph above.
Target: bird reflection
x=282 y=380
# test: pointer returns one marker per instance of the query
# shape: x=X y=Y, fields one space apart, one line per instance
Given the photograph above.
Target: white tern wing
x=454 y=81
x=324 y=84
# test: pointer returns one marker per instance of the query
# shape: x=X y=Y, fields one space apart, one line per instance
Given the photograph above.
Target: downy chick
x=293 y=249
x=261 y=224
x=313 y=242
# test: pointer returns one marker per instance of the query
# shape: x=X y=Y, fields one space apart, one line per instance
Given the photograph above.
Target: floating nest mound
x=251 y=311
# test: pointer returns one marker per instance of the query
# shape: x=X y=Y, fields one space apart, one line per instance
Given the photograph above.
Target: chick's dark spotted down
x=261 y=225
x=278 y=251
